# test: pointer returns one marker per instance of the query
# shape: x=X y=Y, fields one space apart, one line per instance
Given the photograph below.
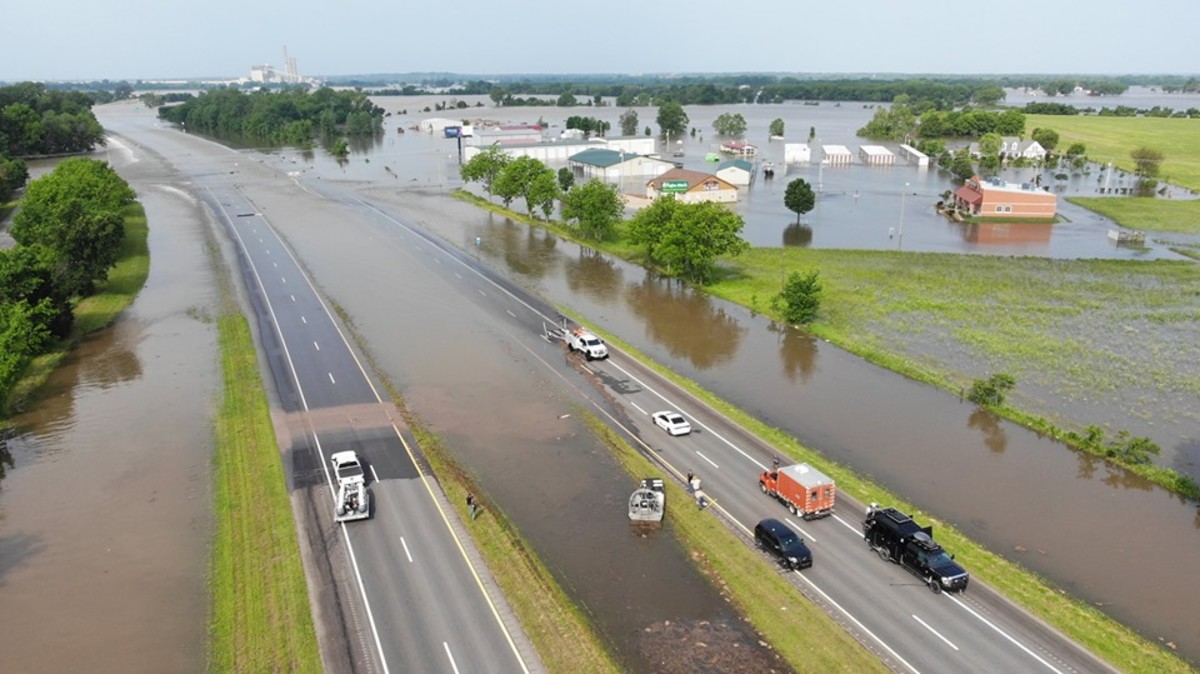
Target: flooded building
x=632 y=144
x=876 y=155
x=554 y=151
x=612 y=166
x=735 y=171
x=995 y=198
x=913 y=155
x=796 y=153
x=691 y=187
x=836 y=154
x=437 y=124
x=1012 y=147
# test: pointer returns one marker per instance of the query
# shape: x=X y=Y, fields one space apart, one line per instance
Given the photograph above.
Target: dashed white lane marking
x=849 y=526
x=856 y=622
x=293 y=297
x=283 y=278
x=935 y=632
x=1005 y=634
x=304 y=320
x=635 y=405
x=373 y=473
x=451 y=656
x=510 y=313
x=406 y=552
x=797 y=527
x=458 y=275
x=276 y=264
x=481 y=292
x=331 y=378
x=318 y=346
x=706 y=459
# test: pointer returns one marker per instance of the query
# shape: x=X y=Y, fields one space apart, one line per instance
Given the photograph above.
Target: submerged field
x=1124 y=331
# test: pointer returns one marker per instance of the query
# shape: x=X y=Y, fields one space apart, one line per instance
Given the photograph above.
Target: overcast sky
x=160 y=39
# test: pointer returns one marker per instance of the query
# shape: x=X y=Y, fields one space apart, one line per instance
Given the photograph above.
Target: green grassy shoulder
x=1107 y=638
x=261 y=620
x=1146 y=213
x=800 y=631
x=1113 y=138
x=260 y=616
x=97 y=311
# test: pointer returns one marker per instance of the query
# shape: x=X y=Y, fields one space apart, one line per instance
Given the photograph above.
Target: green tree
x=485 y=167
x=566 y=100
x=730 y=125
x=497 y=94
x=990 y=144
x=76 y=212
x=1147 y=162
x=596 y=206
x=812 y=133
x=895 y=124
x=28 y=274
x=961 y=165
x=1047 y=138
x=672 y=119
x=629 y=123
x=686 y=240
x=530 y=179
x=1076 y=150
x=799 y=197
x=13 y=174
x=800 y=298
x=776 y=128
x=991 y=392
x=566 y=179
x=988 y=96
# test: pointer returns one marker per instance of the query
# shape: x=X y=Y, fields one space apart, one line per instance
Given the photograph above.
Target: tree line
x=290 y=116
x=69 y=232
x=35 y=120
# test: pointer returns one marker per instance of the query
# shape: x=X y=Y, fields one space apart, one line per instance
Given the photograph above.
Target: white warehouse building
x=797 y=153
x=876 y=155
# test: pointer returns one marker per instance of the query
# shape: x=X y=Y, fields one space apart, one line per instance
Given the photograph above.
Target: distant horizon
x=665 y=75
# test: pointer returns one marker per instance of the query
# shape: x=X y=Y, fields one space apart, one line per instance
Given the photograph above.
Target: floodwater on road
x=1108 y=536
x=105 y=520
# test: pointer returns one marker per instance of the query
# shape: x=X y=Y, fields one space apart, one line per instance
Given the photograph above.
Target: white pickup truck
x=348 y=468
x=588 y=344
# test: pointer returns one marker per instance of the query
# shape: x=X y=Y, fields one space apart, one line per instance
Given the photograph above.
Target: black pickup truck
x=897 y=538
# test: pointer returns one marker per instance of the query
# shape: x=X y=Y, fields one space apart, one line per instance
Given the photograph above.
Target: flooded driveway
x=105 y=520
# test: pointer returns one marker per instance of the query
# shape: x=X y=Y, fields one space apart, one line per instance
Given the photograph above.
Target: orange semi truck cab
x=805 y=491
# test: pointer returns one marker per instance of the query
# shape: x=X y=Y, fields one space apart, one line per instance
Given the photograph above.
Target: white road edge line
x=710 y=461
x=935 y=632
x=406 y=552
x=451 y=656
x=1004 y=634
x=797 y=526
x=316 y=440
x=855 y=621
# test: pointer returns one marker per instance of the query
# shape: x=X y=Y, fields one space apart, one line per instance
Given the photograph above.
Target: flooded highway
x=1108 y=536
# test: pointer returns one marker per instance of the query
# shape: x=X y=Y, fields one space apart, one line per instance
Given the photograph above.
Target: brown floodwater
x=1109 y=537
x=1106 y=535
x=105 y=516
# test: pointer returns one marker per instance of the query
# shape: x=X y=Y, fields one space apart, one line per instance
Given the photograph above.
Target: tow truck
x=353 y=497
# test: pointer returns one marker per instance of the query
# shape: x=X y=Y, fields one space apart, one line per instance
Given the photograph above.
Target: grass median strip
x=800 y=631
x=261 y=620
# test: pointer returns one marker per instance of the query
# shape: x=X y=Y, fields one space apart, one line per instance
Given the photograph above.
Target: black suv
x=777 y=539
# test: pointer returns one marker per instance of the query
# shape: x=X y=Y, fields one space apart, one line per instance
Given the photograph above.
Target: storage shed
x=876 y=155
x=836 y=154
x=797 y=153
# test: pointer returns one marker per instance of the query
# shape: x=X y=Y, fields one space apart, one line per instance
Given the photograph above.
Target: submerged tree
x=799 y=197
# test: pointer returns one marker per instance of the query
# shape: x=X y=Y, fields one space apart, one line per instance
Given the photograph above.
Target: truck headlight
x=947 y=581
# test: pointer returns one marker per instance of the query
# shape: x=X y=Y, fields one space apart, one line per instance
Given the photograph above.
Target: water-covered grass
x=1146 y=213
x=1113 y=138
